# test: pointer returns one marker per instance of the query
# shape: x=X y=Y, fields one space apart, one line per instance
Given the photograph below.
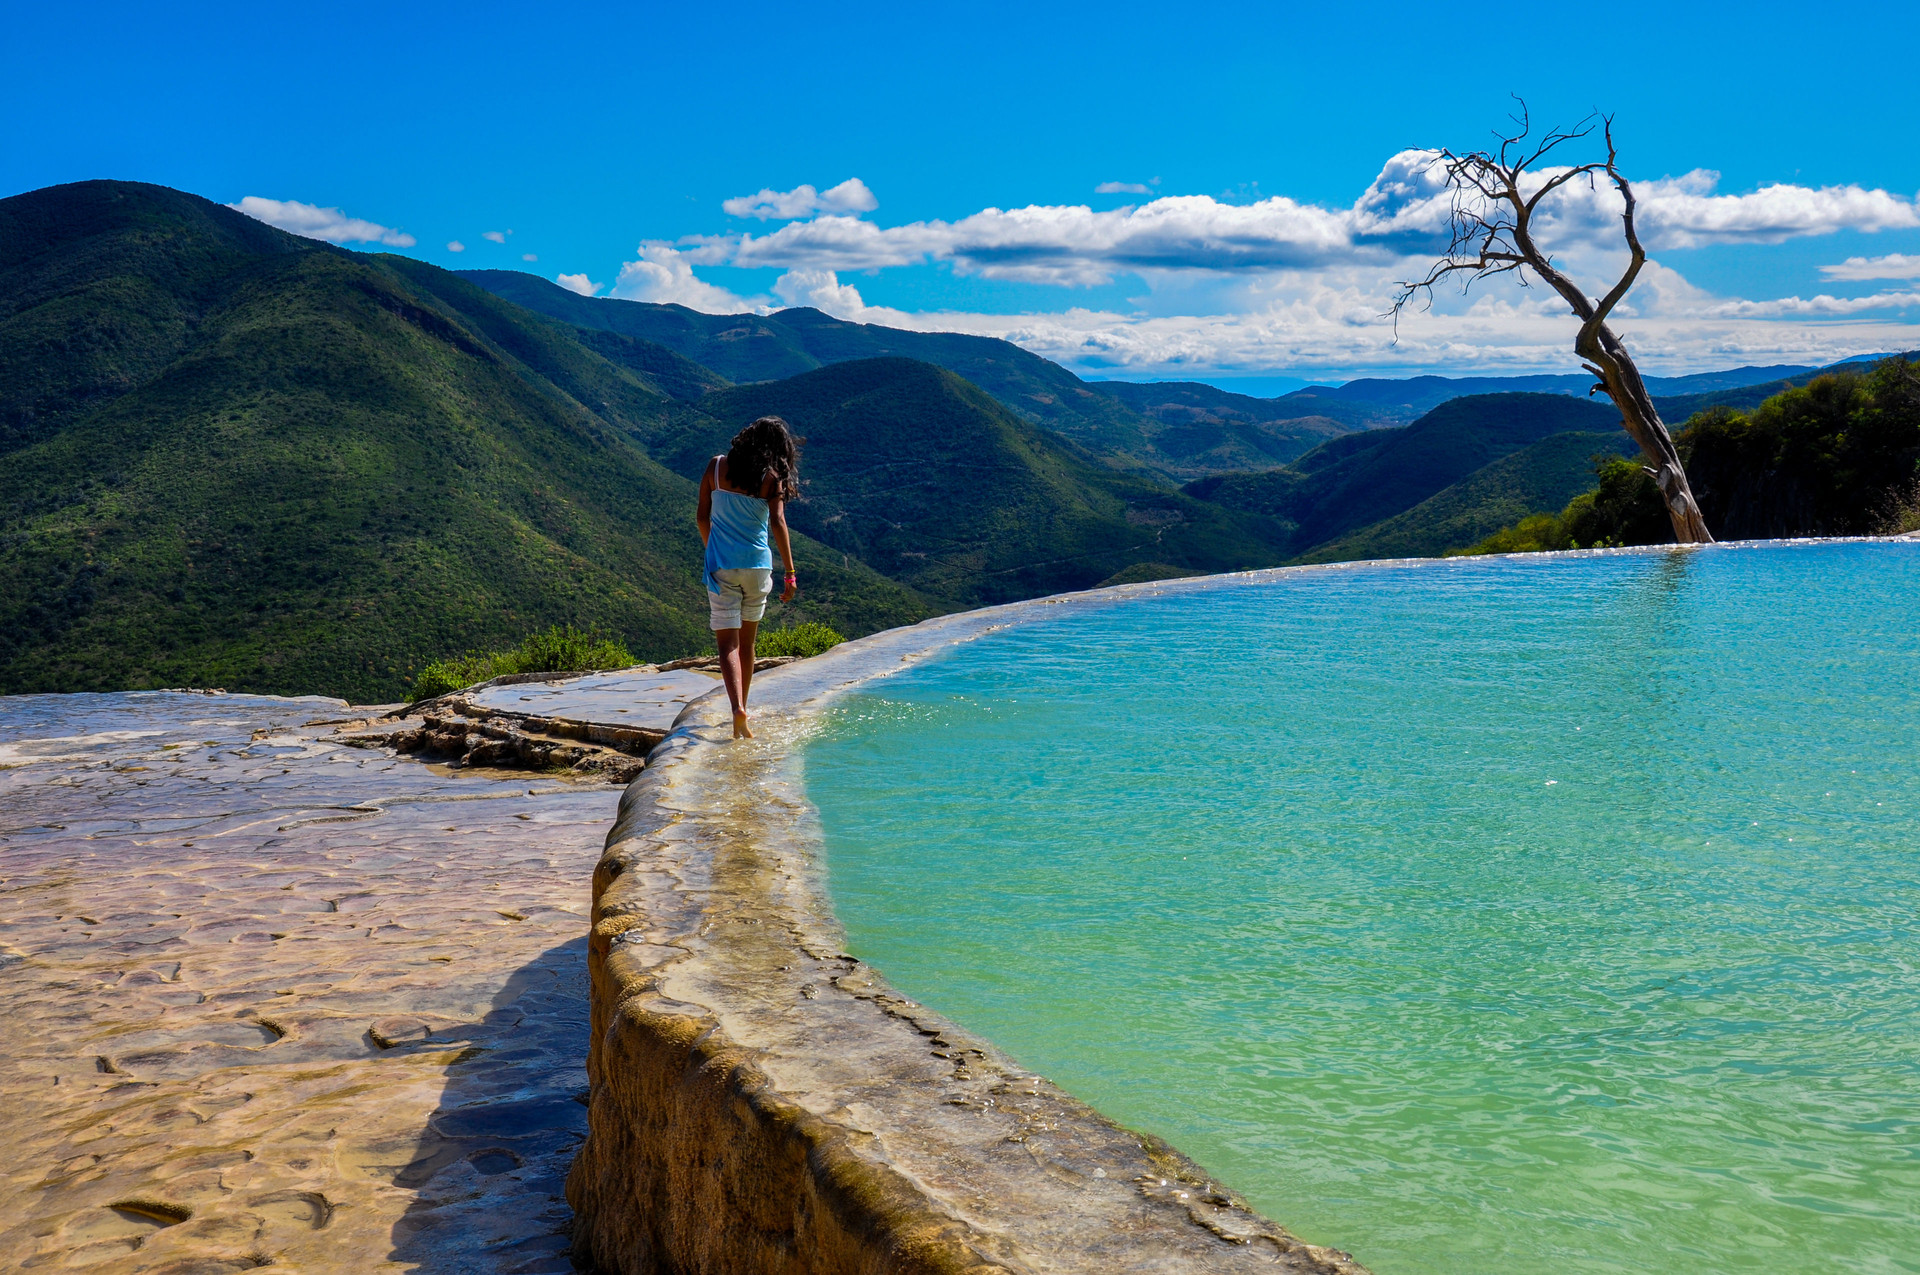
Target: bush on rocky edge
x=801 y=639
x=561 y=649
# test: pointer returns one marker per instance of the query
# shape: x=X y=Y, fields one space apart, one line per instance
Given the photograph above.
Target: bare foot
x=740 y=728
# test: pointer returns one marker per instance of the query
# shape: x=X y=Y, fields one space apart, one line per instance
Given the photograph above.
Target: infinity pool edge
x=761 y=1100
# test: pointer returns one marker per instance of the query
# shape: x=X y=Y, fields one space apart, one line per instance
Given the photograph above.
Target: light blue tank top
x=737 y=536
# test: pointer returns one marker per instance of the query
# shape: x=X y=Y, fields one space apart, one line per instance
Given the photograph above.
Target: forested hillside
x=1362 y=481
x=236 y=457
x=930 y=480
x=1204 y=430
x=1543 y=475
x=1837 y=456
x=749 y=347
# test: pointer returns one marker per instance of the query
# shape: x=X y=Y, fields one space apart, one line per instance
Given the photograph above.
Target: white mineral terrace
x=272 y=997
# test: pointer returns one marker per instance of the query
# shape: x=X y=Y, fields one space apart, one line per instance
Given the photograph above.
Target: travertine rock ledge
x=762 y=1102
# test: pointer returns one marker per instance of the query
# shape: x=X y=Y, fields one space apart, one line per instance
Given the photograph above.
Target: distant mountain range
x=1411 y=476
x=747 y=348
x=1176 y=429
x=233 y=456
x=1420 y=394
x=920 y=474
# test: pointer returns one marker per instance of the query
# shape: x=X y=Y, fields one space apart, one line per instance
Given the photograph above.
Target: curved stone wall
x=763 y=1102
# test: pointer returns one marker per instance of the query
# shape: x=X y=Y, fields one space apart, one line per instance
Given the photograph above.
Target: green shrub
x=561 y=649
x=451 y=674
x=802 y=639
x=570 y=650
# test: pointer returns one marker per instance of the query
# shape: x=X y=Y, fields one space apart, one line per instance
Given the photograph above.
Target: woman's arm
x=703 y=514
x=777 y=529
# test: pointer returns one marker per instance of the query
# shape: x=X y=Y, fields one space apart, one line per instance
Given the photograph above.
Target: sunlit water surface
x=1551 y=915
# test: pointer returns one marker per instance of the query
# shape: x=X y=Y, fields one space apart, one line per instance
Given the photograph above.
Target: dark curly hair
x=766 y=449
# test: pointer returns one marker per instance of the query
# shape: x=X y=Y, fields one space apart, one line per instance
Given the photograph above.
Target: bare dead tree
x=1492 y=234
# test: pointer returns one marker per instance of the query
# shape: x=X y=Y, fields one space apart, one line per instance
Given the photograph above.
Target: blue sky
x=590 y=130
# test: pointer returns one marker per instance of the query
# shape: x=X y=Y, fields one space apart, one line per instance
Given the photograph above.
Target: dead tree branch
x=1496 y=195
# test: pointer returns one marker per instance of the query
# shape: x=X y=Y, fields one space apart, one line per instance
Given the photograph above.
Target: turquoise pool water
x=1549 y=915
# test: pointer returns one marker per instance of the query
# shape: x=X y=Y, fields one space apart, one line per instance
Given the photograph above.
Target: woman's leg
x=748 y=630
x=728 y=640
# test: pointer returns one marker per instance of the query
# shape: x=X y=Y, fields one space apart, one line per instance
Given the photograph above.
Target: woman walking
x=743 y=501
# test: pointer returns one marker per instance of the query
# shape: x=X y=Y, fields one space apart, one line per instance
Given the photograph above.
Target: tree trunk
x=1608 y=359
x=1489 y=240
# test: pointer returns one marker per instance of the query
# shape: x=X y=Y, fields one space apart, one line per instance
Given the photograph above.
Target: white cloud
x=822 y=290
x=1335 y=331
x=1277 y=283
x=1893 y=266
x=1328 y=322
x=1408 y=197
x=1404 y=211
x=527 y=256
x=1662 y=293
x=314 y=222
x=1682 y=214
x=454 y=245
x=578 y=283
x=1060 y=245
x=663 y=274
x=1821 y=305
x=1122 y=188
x=850 y=196
x=498 y=236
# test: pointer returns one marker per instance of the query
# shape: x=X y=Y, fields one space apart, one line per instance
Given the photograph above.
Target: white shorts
x=743 y=596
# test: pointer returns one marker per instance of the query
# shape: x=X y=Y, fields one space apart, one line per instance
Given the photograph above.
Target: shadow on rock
x=491 y=1164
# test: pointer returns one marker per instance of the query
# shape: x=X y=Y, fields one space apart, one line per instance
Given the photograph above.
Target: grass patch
x=561 y=649
x=801 y=639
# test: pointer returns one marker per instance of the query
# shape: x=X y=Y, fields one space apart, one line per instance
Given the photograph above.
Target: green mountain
x=1359 y=480
x=933 y=482
x=748 y=348
x=1383 y=402
x=1203 y=430
x=1839 y=455
x=1378 y=402
x=1682 y=405
x=233 y=456
x=1542 y=476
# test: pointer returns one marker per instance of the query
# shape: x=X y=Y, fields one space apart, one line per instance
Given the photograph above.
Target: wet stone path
x=272 y=1000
